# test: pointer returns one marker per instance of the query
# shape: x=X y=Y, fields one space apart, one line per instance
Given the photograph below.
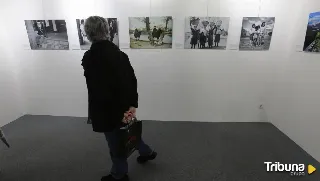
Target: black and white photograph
x=47 y=34
x=150 y=32
x=206 y=32
x=312 y=39
x=256 y=33
x=85 y=44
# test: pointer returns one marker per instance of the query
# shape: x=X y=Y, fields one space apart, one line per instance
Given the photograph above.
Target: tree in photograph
x=146 y=20
x=243 y=32
x=166 y=20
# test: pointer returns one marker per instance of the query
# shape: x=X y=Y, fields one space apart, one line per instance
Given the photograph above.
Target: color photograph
x=256 y=33
x=312 y=40
x=206 y=32
x=150 y=32
x=85 y=44
x=47 y=34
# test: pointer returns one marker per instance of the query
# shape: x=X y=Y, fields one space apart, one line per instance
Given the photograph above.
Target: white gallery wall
x=175 y=84
x=294 y=101
x=11 y=101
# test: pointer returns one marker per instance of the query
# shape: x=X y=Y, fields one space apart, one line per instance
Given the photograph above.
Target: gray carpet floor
x=48 y=148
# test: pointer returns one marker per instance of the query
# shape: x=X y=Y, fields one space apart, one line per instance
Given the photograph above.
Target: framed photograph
x=150 y=32
x=47 y=34
x=85 y=44
x=256 y=33
x=206 y=32
x=312 y=40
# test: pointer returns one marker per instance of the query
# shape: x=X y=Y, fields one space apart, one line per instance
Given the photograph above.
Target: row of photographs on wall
x=156 y=33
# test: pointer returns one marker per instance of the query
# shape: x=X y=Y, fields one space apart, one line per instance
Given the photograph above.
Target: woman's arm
x=131 y=81
x=125 y=82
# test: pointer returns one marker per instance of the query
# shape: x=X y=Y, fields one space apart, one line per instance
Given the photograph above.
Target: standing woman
x=194 y=37
x=217 y=37
x=111 y=28
x=40 y=31
x=83 y=33
x=210 y=38
x=112 y=93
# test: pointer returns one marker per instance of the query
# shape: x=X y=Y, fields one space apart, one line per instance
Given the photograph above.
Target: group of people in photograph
x=211 y=33
x=155 y=37
x=257 y=34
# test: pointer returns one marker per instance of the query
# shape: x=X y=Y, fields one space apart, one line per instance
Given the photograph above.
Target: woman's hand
x=133 y=111
x=129 y=115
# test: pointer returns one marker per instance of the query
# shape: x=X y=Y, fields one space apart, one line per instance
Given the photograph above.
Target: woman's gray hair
x=96 y=28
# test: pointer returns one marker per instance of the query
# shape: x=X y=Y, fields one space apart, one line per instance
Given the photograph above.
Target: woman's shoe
x=144 y=159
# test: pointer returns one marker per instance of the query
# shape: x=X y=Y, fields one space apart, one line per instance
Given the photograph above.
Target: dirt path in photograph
x=147 y=45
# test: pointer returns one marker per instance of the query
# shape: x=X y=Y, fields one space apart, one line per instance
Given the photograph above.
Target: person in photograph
x=210 y=36
x=160 y=35
x=198 y=38
x=137 y=34
x=39 y=28
x=112 y=95
x=154 y=31
x=254 y=35
x=83 y=33
x=194 y=36
x=203 y=38
x=112 y=30
x=252 y=32
x=154 y=34
x=262 y=33
x=217 y=36
x=43 y=25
